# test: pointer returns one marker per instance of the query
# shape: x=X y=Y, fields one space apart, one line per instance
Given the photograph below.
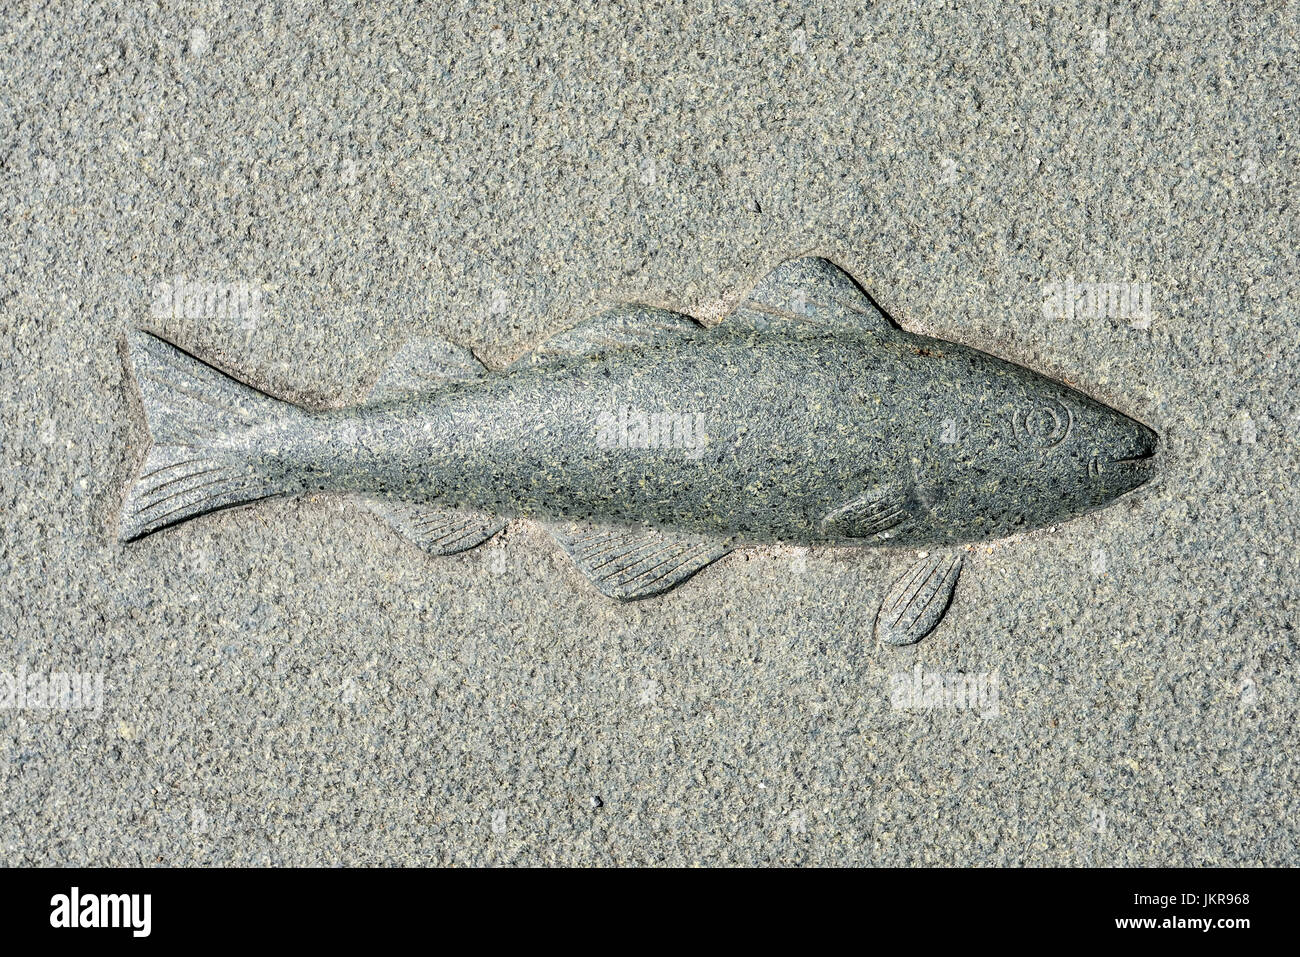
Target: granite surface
x=291 y=190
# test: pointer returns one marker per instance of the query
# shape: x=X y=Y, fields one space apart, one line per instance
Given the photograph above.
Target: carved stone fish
x=653 y=446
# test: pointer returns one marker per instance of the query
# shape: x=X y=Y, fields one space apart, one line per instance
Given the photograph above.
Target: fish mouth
x=1139 y=459
x=1128 y=471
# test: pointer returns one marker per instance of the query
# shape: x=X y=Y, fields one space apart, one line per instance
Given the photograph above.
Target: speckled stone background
x=289 y=683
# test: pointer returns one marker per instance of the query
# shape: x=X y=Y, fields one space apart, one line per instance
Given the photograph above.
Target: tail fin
x=197 y=417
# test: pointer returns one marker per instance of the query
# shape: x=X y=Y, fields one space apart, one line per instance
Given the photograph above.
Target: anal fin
x=437 y=529
x=632 y=563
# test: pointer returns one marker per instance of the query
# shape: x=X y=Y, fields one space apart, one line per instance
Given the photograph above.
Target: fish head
x=1025 y=450
x=1067 y=442
x=1064 y=451
x=1120 y=451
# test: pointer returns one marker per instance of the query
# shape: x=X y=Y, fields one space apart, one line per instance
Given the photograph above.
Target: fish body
x=804 y=417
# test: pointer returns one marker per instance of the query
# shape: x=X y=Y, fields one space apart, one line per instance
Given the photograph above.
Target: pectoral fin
x=874 y=513
x=917 y=601
x=636 y=563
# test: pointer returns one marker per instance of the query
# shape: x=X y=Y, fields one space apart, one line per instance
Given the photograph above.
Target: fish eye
x=1042 y=425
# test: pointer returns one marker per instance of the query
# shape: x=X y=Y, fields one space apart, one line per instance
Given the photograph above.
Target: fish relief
x=652 y=446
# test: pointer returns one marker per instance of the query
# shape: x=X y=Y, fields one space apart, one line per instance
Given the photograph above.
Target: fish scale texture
x=288 y=683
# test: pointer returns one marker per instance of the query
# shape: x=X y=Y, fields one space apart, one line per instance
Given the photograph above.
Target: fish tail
x=203 y=424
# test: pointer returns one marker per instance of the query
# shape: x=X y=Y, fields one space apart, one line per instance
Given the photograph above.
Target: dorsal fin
x=812 y=290
x=629 y=326
x=421 y=365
